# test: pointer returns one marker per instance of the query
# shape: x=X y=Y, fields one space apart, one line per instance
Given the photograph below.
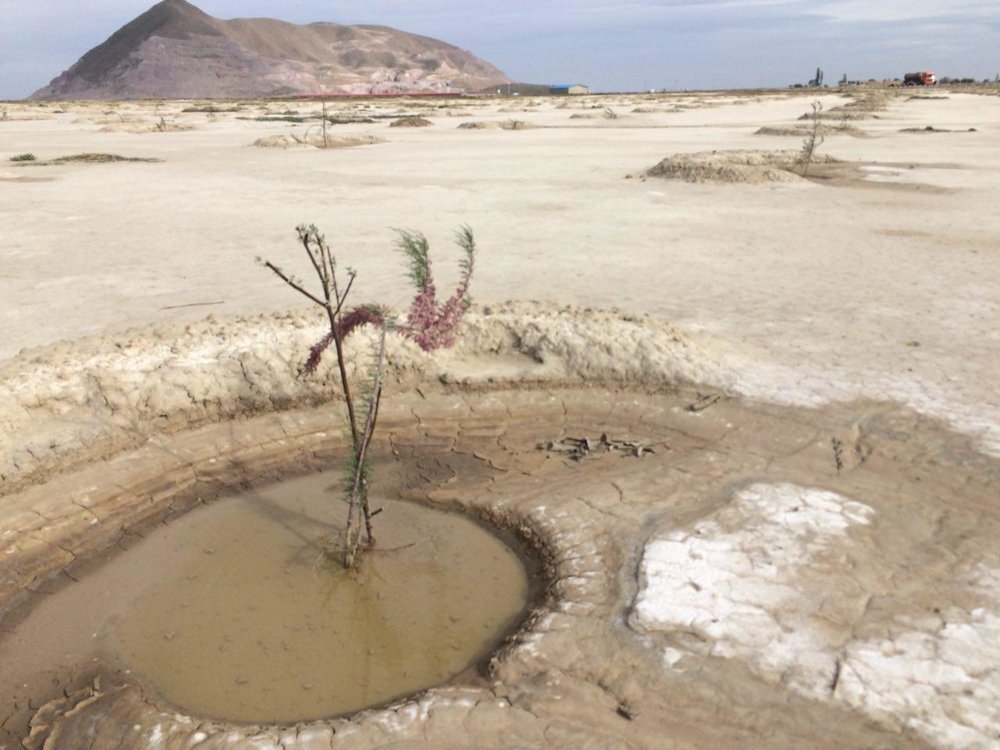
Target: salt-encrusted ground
x=783 y=578
x=766 y=577
x=812 y=568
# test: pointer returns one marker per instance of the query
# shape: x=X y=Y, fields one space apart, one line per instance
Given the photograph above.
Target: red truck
x=923 y=78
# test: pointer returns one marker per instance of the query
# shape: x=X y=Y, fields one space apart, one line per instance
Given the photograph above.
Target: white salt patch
x=803 y=386
x=671 y=656
x=942 y=681
x=156 y=737
x=732 y=574
x=751 y=578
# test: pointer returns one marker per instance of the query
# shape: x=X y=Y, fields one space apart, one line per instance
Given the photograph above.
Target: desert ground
x=791 y=539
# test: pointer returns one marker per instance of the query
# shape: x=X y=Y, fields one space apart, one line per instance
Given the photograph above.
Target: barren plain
x=805 y=556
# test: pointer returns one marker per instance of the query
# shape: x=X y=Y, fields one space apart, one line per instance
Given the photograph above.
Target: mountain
x=175 y=50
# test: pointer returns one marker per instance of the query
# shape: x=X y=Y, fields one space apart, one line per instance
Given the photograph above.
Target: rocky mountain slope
x=175 y=50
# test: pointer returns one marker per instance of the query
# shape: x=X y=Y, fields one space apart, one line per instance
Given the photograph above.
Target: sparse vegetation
x=845 y=120
x=505 y=125
x=838 y=453
x=814 y=138
x=89 y=157
x=430 y=324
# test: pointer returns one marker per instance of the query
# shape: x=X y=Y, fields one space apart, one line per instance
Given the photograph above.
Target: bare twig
x=703 y=402
x=288 y=280
x=359 y=488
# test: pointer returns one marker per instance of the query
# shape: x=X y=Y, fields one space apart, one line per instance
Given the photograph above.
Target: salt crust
x=746 y=578
x=82 y=400
x=812 y=387
x=750 y=579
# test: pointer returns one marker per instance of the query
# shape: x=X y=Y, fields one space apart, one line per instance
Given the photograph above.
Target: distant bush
x=24 y=157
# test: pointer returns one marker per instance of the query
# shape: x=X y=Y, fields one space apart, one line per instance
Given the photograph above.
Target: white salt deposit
x=751 y=579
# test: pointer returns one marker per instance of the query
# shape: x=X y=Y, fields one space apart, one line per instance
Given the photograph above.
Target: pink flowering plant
x=432 y=325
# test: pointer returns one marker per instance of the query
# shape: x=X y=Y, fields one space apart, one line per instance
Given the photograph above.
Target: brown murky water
x=233 y=612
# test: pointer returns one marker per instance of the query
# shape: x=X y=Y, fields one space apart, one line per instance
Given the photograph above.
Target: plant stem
x=359 y=488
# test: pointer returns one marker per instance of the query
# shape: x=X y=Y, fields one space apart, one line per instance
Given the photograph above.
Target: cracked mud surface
x=807 y=605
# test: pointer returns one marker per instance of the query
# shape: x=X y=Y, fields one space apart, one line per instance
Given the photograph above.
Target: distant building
x=562 y=89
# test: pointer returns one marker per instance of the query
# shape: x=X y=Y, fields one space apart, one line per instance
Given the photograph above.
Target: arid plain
x=807 y=558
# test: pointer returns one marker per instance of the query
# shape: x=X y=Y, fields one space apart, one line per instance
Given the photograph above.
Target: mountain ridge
x=176 y=50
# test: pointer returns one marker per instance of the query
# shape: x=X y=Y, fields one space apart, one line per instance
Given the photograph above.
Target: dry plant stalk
x=358 y=491
x=814 y=138
x=430 y=324
x=332 y=298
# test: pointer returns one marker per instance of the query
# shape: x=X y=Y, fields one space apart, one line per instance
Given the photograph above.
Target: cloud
x=908 y=11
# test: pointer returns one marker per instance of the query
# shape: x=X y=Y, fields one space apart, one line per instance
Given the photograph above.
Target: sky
x=628 y=46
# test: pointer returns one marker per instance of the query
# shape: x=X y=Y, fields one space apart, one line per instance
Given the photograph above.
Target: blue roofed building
x=569 y=88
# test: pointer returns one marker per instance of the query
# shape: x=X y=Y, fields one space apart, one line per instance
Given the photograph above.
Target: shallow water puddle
x=233 y=612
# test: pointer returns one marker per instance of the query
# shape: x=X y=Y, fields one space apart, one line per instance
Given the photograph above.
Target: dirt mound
x=413 y=121
x=645 y=109
x=932 y=129
x=602 y=114
x=504 y=125
x=842 y=114
x=862 y=106
x=539 y=342
x=747 y=167
x=315 y=140
x=86 y=158
x=801 y=131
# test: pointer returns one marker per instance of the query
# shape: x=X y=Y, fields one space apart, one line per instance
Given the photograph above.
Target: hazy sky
x=633 y=45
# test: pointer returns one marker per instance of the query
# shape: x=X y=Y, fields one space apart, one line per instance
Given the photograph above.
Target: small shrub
x=24 y=157
x=429 y=324
x=814 y=138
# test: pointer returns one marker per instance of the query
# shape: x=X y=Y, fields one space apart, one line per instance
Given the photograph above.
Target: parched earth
x=717 y=572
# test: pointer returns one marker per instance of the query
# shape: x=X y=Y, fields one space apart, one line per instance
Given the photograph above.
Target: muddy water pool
x=234 y=612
